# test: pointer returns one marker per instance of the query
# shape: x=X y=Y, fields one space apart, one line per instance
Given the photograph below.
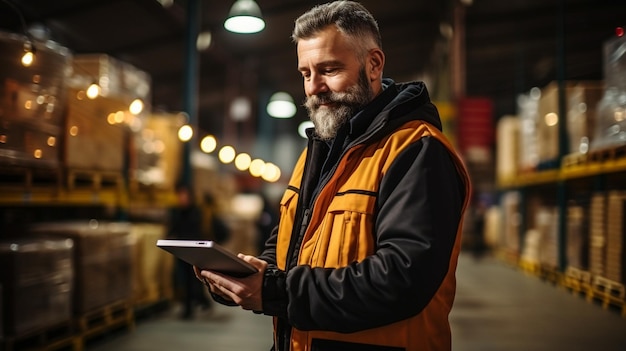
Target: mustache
x=315 y=101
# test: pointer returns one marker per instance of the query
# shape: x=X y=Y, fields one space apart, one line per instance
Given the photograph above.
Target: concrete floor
x=498 y=308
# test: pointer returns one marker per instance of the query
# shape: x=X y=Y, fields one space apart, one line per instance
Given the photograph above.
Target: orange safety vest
x=352 y=213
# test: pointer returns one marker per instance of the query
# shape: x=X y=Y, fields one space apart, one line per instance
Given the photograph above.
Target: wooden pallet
x=551 y=274
x=22 y=178
x=577 y=280
x=594 y=156
x=608 y=292
x=94 y=180
x=60 y=336
x=607 y=154
x=507 y=256
x=530 y=267
x=100 y=321
x=574 y=159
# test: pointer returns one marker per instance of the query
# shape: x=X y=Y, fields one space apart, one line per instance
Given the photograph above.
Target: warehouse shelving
x=579 y=173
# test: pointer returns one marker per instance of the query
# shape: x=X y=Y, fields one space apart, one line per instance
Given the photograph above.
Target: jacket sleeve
x=419 y=209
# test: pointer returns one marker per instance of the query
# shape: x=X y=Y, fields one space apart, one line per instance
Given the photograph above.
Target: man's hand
x=245 y=292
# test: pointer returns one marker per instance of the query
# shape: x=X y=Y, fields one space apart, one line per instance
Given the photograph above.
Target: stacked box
x=575 y=237
x=493 y=226
x=116 y=78
x=507 y=154
x=152 y=267
x=36 y=93
x=547 y=225
x=29 y=145
x=615 y=232
x=581 y=99
x=511 y=219
x=597 y=234
x=531 y=249
x=94 y=140
x=103 y=260
x=610 y=126
x=156 y=153
x=582 y=103
x=32 y=101
x=528 y=114
x=36 y=277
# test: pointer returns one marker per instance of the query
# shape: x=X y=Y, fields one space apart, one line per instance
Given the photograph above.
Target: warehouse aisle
x=498 y=308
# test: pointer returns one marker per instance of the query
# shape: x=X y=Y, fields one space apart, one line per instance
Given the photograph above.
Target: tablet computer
x=207 y=255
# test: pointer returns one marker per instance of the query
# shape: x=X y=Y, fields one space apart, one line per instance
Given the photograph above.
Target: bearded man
x=365 y=252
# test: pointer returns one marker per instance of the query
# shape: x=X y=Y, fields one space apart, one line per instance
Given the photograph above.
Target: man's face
x=335 y=81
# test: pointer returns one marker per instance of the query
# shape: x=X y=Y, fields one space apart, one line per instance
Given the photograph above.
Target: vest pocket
x=334 y=345
x=345 y=234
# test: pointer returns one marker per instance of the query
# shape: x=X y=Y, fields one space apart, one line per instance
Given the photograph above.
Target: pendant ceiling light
x=244 y=17
x=281 y=105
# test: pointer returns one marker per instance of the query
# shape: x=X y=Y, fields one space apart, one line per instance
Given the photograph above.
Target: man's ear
x=376 y=63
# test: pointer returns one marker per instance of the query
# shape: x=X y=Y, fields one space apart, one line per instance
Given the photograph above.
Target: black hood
x=412 y=101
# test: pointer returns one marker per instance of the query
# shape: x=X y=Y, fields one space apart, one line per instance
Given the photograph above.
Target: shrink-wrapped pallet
x=610 y=127
x=581 y=99
x=493 y=226
x=26 y=144
x=156 y=153
x=95 y=136
x=547 y=225
x=116 y=78
x=615 y=232
x=32 y=101
x=582 y=105
x=152 y=266
x=510 y=239
x=528 y=114
x=34 y=93
x=597 y=234
x=36 y=279
x=576 y=237
x=507 y=146
x=103 y=260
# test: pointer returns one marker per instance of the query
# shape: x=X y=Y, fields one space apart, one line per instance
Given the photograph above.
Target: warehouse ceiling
x=510 y=46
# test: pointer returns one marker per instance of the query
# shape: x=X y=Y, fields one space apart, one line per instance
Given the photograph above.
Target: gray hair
x=350 y=17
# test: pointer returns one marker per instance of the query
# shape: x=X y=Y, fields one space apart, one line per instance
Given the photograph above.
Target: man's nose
x=315 y=85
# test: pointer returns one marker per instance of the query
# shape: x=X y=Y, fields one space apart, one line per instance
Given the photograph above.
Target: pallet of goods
x=32 y=101
x=152 y=267
x=37 y=287
x=103 y=261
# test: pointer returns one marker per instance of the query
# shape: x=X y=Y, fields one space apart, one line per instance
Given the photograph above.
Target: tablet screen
x=207 y=255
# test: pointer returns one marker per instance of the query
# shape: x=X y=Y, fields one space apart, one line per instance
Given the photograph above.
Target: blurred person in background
x=365 y=252
x=186 y=224
x=267 y=221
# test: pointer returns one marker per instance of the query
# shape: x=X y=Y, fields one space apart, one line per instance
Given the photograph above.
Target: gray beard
x=328 y=120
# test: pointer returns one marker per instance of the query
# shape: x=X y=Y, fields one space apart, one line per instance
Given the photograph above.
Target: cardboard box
x=29 y=144
x=36 y=280
x=93 y=138
x=103 y=260
x=581 y=99
x=35 y=93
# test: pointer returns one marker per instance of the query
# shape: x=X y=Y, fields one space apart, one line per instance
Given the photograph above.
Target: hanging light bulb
x=185 y=133
x=93 y=91
x=244 y=17
x=136 y=107
x=29 y=54
x=281 y=105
